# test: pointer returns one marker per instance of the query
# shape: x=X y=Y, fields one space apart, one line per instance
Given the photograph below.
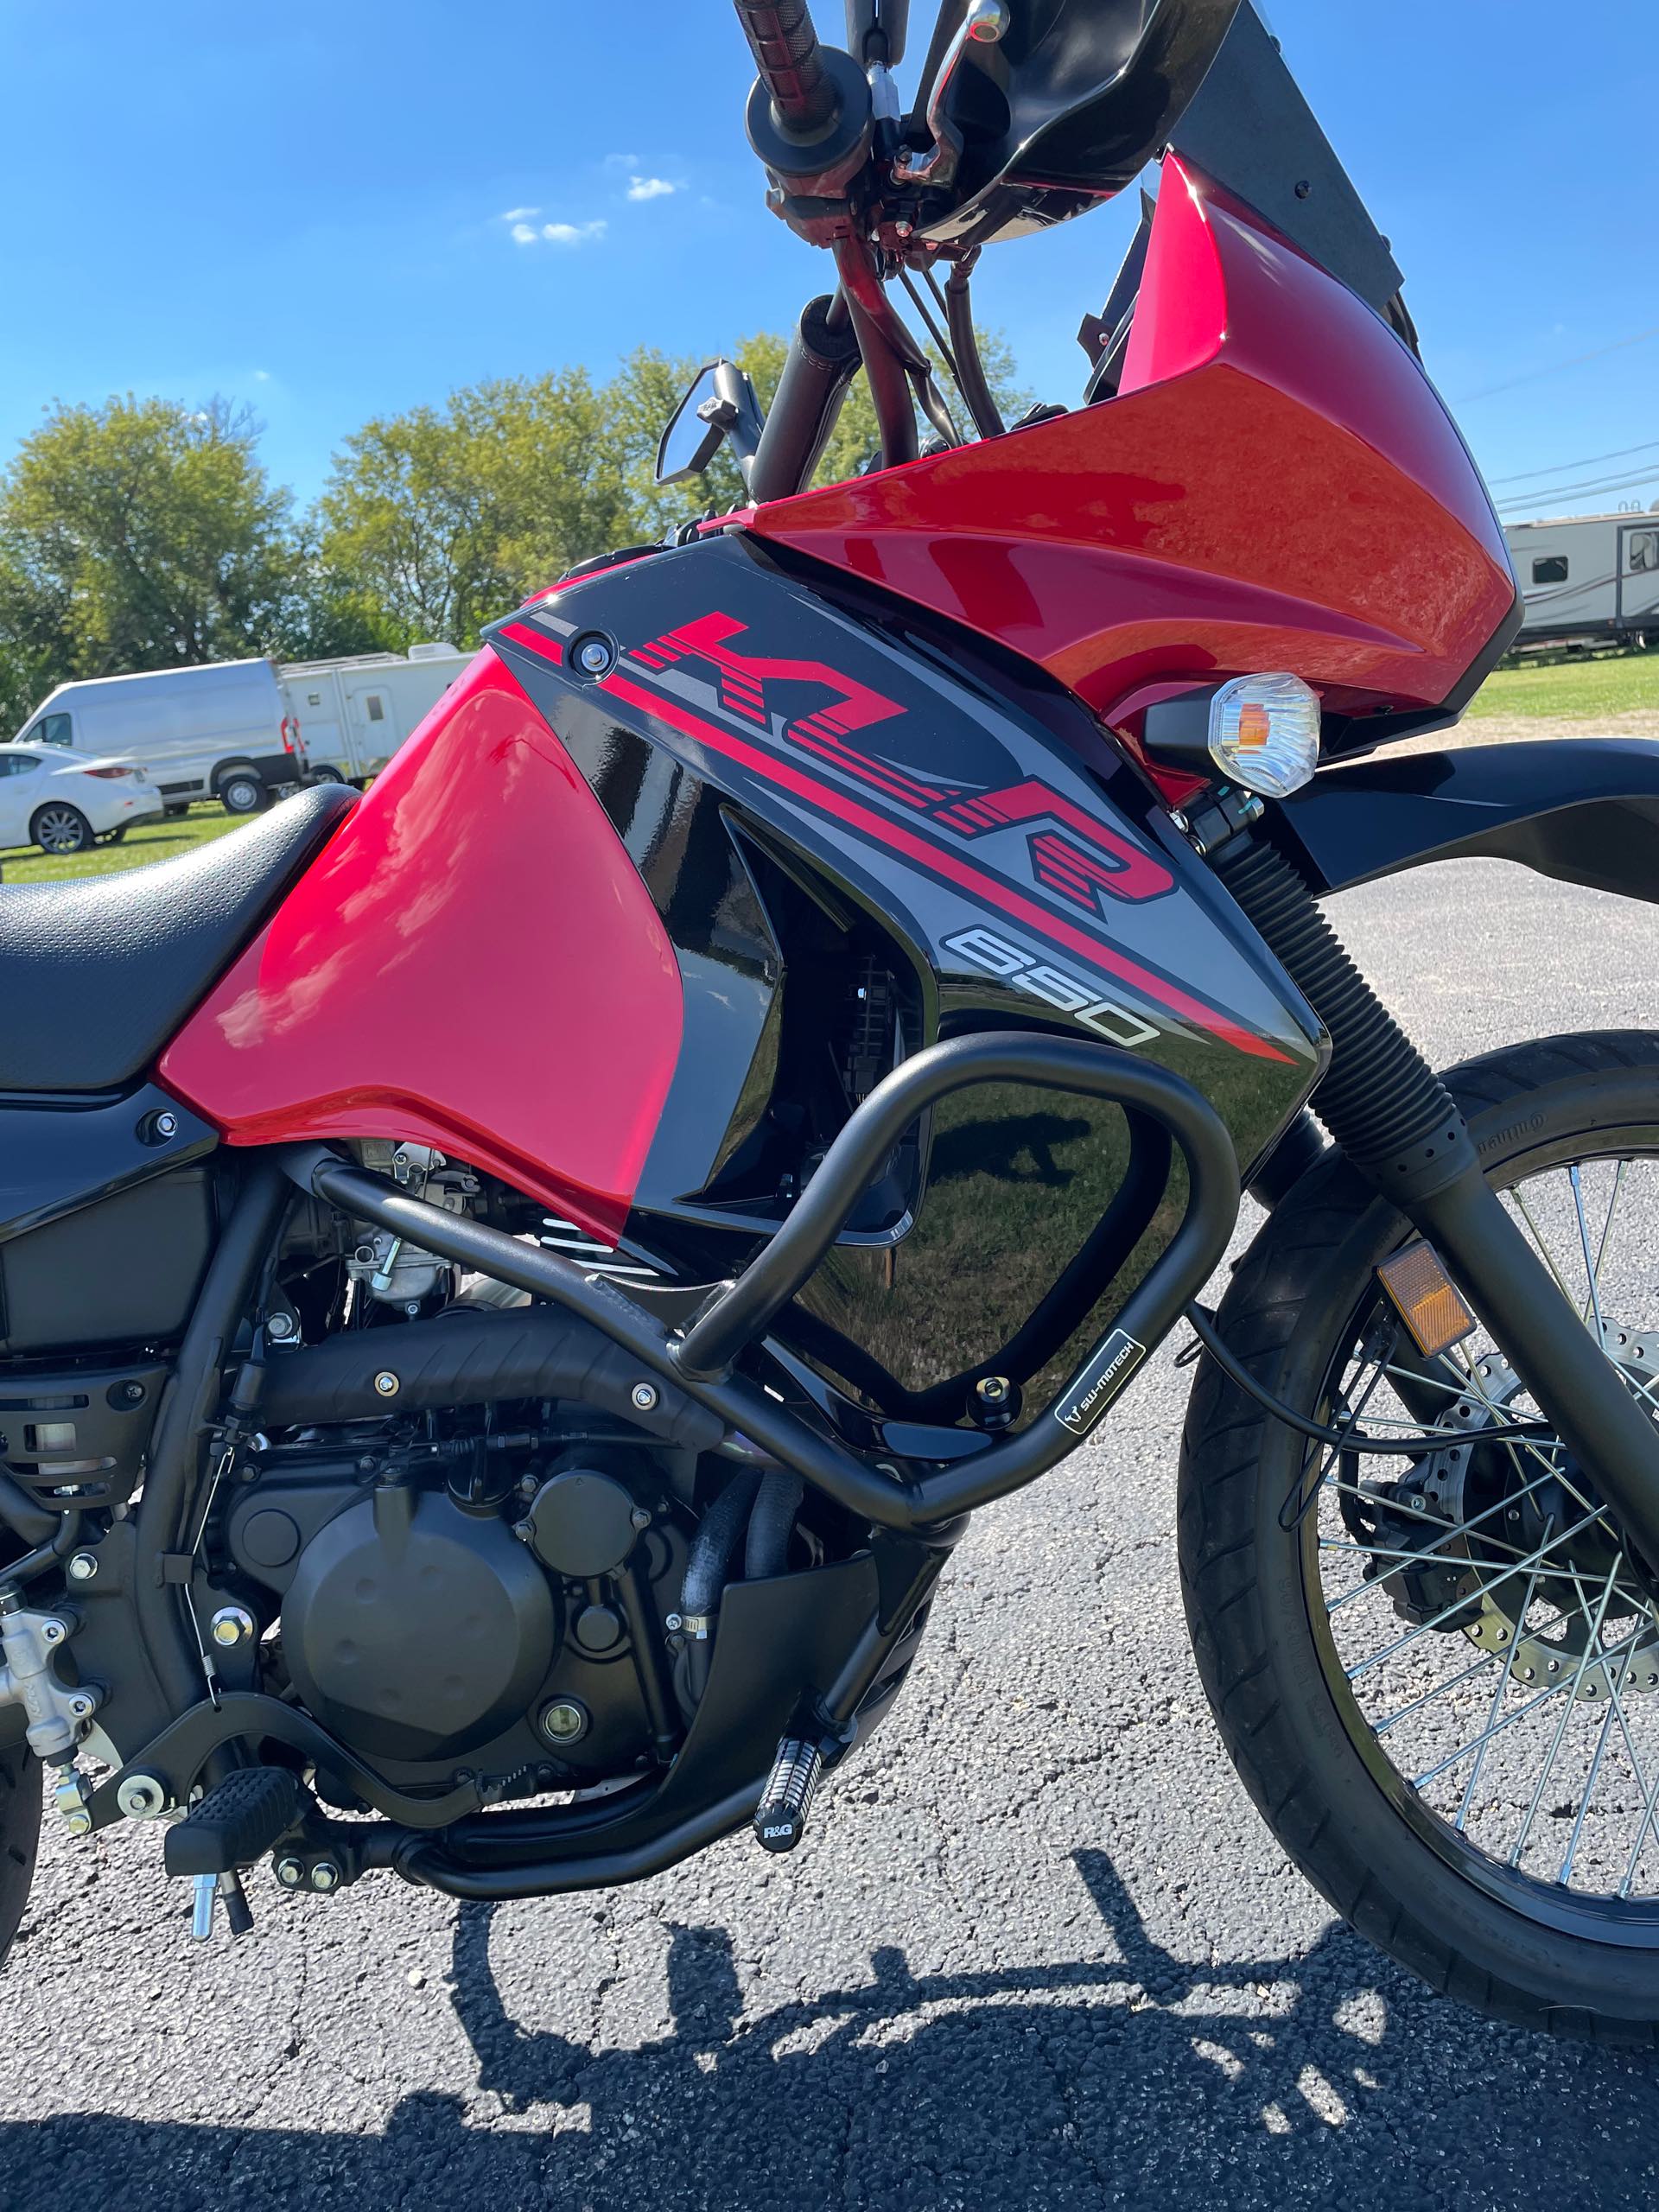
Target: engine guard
x=1581 y=810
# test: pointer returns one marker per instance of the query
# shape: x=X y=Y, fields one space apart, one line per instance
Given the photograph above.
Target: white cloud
x=519 y=214
x=262 y=376
x=523 y=234
x=572 y=233
x=621 y=163
x=649 y=188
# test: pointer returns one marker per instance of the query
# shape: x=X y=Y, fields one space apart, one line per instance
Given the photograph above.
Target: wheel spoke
x=1574 y=1687
x=1594 y=1310
x=1497 y=1694
x=1458 y=1604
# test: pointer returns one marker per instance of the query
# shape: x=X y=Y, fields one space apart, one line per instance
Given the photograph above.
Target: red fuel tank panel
x=473 y=962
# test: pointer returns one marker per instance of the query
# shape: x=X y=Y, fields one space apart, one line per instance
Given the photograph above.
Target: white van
x=356 y=712
x=228 y=731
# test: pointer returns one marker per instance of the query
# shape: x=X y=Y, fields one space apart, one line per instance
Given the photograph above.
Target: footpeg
x=780 y=1818
x=235 y=1823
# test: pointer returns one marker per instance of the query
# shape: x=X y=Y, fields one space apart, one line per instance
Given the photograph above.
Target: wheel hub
x=1516 y=1498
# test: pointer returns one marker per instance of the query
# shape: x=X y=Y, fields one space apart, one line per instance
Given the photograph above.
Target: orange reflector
x=1423 y=1295
x=1254 y=727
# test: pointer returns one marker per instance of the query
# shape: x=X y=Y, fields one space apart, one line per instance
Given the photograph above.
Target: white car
x=65 y=802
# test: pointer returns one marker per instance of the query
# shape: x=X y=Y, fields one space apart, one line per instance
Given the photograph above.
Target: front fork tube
x=1582 y=1397
x=1396 y=1121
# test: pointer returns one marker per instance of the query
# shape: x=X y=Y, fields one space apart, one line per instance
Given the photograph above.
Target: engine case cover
x=416 y=1630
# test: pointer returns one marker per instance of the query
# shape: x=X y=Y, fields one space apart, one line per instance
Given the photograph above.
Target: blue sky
x=337 y=211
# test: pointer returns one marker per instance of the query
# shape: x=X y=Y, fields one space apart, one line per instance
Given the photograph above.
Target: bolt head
x=290 y=1872
x=325 y=1875
x=166 y=1125
x=52 y=1632
x=82 y=1567
x=645 y=1395
x=386 y=1384
x=79 y=1823
x=564 y=1721
x=594 y=656
x=81 y=1707
x=673 y=1623
x=231 y=1626
x=279 y=1325
x=991 y=1390
x=640 y=1517
x=141 y=1797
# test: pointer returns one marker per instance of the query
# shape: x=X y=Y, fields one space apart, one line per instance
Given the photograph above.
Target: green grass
x=1576 y=690
x=155 y=841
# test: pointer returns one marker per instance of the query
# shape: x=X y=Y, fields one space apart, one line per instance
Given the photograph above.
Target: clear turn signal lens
x=1264 y=733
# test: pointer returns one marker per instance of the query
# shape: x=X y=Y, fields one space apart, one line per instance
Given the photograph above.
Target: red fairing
x=473 y=962
x=1275 y=485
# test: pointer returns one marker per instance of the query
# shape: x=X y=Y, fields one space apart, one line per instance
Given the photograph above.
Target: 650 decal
x=1057 y=987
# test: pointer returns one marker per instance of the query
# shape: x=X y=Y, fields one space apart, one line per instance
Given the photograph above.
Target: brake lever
x=984 y=24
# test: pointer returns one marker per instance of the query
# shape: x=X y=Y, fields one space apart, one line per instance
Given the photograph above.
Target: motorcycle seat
x=96 y=976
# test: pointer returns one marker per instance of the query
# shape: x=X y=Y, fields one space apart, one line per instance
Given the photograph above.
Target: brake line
x=1342 y=1439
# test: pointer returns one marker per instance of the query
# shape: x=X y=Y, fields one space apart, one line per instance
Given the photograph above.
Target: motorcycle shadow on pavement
x=1129 y=2078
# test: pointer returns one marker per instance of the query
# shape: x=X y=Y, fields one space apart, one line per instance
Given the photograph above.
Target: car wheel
x=326 y=776
x=242 y=792
x=174 y=813
x=60 y=828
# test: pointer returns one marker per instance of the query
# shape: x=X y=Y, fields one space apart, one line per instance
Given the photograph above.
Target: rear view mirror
x=720 y=405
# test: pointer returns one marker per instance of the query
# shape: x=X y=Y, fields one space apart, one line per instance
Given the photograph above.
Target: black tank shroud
x=823 y=802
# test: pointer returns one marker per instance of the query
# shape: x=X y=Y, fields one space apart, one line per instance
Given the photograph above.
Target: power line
x=1531 y=376
x=1585 y=461
x=1608 y=485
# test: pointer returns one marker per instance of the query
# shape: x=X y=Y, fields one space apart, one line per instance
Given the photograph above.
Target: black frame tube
x=823 y=360
x=964 y=344
x=919 y=1502
x=188 y=1405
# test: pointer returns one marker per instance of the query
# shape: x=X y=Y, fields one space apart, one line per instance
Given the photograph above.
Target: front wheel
x=1438 y=1674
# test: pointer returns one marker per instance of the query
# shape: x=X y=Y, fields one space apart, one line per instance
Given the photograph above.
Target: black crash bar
x=699 y=1363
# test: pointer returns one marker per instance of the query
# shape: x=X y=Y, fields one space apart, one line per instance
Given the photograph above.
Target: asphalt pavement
x=1037 y=1951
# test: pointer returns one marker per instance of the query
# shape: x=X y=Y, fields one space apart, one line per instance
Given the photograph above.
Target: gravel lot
x=1039 y=1950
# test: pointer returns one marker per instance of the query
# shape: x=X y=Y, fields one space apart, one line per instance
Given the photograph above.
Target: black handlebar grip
x=785 y=47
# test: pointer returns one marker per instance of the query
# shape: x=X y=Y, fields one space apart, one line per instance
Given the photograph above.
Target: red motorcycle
x=511 y=1286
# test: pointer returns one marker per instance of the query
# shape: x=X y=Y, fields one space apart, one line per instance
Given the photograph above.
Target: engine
x=490 y=1586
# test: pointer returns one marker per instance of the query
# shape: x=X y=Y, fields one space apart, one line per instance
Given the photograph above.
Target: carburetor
x=386 y=1268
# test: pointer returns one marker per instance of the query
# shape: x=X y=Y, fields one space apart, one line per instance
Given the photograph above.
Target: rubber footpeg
x=235 y=1823
x=780 y=1817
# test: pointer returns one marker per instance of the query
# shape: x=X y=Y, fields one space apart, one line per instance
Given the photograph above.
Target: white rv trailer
x=1587 y=576
x=355 y=713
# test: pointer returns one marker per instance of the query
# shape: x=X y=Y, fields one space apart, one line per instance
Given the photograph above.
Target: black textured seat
x=96 y=976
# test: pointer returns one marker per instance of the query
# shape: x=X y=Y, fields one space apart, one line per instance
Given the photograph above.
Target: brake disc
x=1548 y=1656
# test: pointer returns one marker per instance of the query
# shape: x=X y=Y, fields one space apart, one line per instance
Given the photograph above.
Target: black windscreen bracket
x=1249 y=128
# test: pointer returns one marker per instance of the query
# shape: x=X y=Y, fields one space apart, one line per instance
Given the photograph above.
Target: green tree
x=442 y=518
x=140 y=534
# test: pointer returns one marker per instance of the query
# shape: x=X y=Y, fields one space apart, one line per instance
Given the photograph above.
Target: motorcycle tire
x=1395 y=1866
x=20 y=1836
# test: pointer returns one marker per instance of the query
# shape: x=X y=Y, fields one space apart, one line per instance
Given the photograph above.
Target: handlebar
x=787 y=55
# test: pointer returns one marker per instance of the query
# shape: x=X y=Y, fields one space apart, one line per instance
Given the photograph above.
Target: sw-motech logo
x=1055 y=986
x=1090 y=1396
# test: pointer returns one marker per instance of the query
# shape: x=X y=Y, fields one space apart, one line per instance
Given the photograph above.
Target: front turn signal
x=1264 y=733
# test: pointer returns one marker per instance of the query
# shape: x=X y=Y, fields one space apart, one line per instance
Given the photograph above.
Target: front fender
x=1582 y=810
